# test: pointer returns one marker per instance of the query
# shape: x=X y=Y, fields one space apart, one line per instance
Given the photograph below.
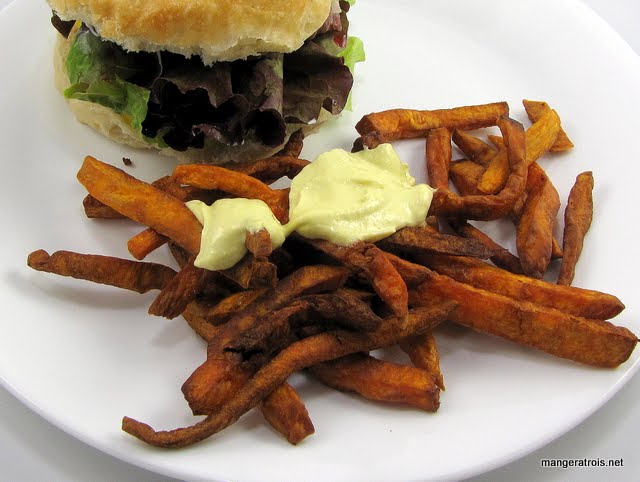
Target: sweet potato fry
x=121 y=273
x=380 y=380
x=534 y=230
x=261 y=340
x=425 y=240
x=200 y=325
x=535 y=110
x=516 y=212
x=206 y=176
x=145 y=243
x=95 y=209
x=542 y=135
x=574 y=301
x=475 y=149
x=213 y=382
x=179 y=292
x=252 y=273
x=342 y=308
x=556 y=249
x=491 y=206
x=180 y=254
x=259 y=243
x=577 y=221
x=380 y=127
x=368 y=260
x=501 y=257
x=271 y=169
x=423 y=352
x=285 y=411
x=257 y=341
x=297 y=356
x=592 y=342
x=141 y=202
x=413 y=274
x=438 y=156
x=539 y=139
x=294 y=145
x=223 y=310
x=229 y=369
x=306 y=280
x=465 y=175
x=432 y=222
x=496 y=173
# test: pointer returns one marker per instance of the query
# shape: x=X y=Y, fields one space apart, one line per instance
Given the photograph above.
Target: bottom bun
x=114 y=126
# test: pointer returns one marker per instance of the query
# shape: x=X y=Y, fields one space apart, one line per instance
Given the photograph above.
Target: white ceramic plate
x=83 y=355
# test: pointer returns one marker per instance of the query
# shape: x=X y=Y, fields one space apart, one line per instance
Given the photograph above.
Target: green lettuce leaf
x=97 y=73
x=353 y=53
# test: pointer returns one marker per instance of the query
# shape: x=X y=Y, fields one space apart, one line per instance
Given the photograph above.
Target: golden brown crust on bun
x=213 y=29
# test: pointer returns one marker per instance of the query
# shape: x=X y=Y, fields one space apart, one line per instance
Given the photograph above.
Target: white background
x=31 y=449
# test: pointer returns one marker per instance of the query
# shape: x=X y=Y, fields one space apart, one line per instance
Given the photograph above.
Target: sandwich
x=204 y=80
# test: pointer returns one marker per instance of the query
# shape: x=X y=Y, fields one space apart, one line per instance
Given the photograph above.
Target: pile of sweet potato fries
x=312 y=305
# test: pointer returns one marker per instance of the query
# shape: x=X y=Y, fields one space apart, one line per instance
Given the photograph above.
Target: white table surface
x=31 y=449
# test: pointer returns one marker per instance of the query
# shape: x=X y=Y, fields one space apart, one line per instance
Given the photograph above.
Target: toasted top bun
x=114 y=126
x=215 y=30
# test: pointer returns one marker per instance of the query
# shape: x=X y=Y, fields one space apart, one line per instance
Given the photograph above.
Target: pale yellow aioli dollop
x=342 y=197
x=224 y=227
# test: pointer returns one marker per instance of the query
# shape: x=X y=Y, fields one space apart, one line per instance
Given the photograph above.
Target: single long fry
x=423 y=352
x=491 y=206
x=574 y=301
x=534 y=230
x=206 y=176
x=475 y=149
x=379 y=127
x=179 y=292
x=426 y=240
x=121 y=273
x=592 y=342
x=342 y=308
x=297 y=356
x=438 y=156
x=270 y=169
x=501 y=257
x=380 y=380
x=577 y=221
x=141 y=202
x=535 y=110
